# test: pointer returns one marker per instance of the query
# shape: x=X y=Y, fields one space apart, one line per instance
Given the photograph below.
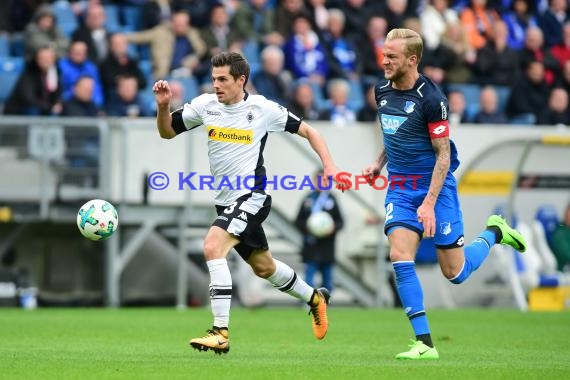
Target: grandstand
x=50 y=165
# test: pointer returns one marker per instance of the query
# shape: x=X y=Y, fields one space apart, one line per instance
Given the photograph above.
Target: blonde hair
x=414 y=43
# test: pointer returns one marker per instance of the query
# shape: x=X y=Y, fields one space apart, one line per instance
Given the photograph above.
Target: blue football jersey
x=409 y=120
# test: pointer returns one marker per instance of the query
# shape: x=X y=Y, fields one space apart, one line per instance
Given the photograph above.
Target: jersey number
x=230 y=208
x=389 y=211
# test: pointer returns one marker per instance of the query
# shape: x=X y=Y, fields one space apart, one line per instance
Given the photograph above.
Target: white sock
x=220 y=291
x=286 y=280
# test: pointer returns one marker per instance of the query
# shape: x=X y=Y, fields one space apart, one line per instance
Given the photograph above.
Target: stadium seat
x=191 y=88
x=546 y=220
x=503 y=93
x=470 y=91
x=112 y=18
x=4 y=46
x=146 y=68
x=10 y=69
x=250 y=50
x=547 y=215
x=356 y=95
x=132 y=17
x=66 y=19
x=143 y=51
x=523 y=119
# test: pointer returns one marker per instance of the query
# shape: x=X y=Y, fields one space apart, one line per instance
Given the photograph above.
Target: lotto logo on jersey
x=391 y=123
x=230 y=135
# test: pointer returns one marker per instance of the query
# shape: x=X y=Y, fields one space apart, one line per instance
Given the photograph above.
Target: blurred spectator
x=534 y=50
x=199 y=9
x=518 y=20
x=369 y=112
x=92 y=32
x=5 y=13
x=340 y=52
x=174 y=45
x=529 y=96
x=435 y=18
x=370 y=50
x=339 y=111
x=125 y=101
x=478 y=20
x=286 y=12
x=155 y=12
x=119 y=63
x=272 y=81
x=43 y=31
x=303 y=103
x=564 y=80
x=319 y=14
x=489 y=112
x=496 y=62
x=254 y=21
x=304 y=54
x=458 y=53
x=23 y=12
x=81 y=103
x=457 y=108
x=38 y=89
x=562 y=52
x=395 y=13
x=357 y=13
x=551 y=22
x=557 y=112
x=217 y=34
x=77 y=65
x=318 y=252
x=178 y=95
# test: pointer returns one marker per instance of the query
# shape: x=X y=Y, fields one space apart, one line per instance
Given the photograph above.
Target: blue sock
x=411 y=295
x=475 y=254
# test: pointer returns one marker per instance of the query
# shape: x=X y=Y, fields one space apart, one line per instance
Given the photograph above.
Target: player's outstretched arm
x=320 y=147
x=162 y=96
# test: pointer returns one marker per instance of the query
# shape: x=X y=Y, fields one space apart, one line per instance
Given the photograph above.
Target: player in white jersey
x=237 y=125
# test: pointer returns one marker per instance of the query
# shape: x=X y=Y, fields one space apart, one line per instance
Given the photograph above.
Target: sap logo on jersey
x=391 y=123
x=230 y=135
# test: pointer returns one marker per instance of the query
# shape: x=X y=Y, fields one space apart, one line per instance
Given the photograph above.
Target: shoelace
x=414 y=343
x=315 y=311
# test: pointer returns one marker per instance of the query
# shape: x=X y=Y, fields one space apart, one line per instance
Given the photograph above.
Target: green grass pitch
x=277 y=343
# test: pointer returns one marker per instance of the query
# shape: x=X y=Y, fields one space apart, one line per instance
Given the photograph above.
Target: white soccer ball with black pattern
x=320 y=224
x=97 y=219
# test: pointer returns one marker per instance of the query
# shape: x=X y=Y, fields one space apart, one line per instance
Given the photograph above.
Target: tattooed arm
x=426 y=214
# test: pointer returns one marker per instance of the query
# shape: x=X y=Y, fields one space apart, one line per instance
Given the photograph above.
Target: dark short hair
x=237 y=63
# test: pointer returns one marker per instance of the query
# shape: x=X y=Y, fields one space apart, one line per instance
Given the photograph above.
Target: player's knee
x=212 y=250
x=400 y=255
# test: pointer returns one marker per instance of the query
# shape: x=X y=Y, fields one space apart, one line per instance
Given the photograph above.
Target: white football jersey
x=236 y=138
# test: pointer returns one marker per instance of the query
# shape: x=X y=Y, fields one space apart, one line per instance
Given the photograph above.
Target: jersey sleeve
x=190 y=116
x=436 y=111
x=279 y=119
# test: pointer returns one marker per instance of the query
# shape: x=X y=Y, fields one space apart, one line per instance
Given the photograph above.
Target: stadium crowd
x=500 y=61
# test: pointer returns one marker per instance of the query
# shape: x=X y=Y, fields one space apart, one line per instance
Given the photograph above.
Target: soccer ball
x=320 y=224
x=97 y=219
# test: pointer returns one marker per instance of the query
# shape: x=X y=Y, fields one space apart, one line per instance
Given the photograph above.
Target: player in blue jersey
x=413 y=116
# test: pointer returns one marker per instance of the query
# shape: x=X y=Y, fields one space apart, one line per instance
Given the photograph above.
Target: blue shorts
x=401 y=211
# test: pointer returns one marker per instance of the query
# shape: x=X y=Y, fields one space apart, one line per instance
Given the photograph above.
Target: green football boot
x=510 y=236
x=419 y=351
